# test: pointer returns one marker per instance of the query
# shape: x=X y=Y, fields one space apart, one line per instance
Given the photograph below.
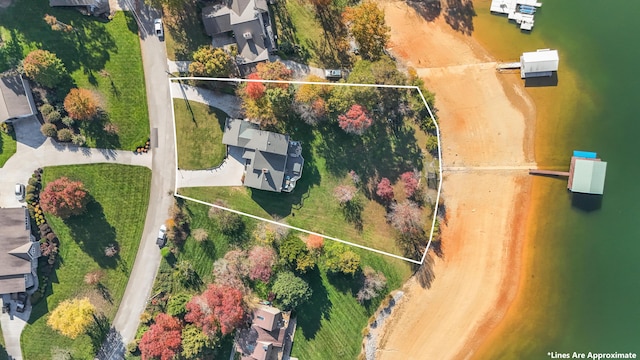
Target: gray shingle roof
x=15 y=244
x=15 y=98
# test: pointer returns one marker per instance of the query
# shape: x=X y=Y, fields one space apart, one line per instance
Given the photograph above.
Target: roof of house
x=588 y=176
x=540 y=61
x=249 y=21
x=267 y=317
x=265 y=150
x=15 y=98
x=16 y=249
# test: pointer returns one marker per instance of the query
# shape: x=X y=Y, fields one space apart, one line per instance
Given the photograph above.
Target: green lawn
x=93 y=46
x=199 y=135
x=317 y=35
x=329 y=155
x=115 y=216
x=330 y=325
x=184 y=32
x=8 y=147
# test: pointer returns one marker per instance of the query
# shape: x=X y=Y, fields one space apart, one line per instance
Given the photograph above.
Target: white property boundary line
x=237 y=80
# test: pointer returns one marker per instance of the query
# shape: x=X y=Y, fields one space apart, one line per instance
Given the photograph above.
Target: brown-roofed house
x=19 y=251
x=16 y=100
x=265 y=338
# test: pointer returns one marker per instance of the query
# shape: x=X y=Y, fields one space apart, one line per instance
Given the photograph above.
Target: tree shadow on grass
x=98 y=330
x=310 y=314
x=87 y=47
x=347 y=284
x=95 y=129
x=93 y=234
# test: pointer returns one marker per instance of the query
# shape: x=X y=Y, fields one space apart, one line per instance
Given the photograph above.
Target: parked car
x=157 y=28
x=19 y=192
x=162 y=236
x=333 y=74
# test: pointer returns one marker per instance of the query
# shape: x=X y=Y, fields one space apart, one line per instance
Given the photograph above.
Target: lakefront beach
x=487 y=123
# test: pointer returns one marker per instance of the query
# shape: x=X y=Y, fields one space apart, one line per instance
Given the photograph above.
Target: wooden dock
x=508 y=66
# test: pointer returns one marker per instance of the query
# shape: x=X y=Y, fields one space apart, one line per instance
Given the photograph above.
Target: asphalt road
x=145 y=268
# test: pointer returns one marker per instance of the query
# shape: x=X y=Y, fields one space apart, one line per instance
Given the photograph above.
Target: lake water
x=580 y=290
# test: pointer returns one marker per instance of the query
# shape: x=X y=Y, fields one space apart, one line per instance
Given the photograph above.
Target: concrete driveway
x=229 y=173
x=36 y=151
x=141 y=279
x=228 y=103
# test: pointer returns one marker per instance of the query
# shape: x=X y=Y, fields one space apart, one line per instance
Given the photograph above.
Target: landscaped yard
x=102 y=56
x=8 y=147
x=199 y=135
x=329 y=156
x=330 y=325
x=297 y=22
x=184 y=32
x=116 y=215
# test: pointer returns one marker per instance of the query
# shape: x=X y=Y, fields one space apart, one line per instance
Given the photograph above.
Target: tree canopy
x=64 y=198
x=217 y=308
x=210 y=61
x=72 y=317
x=356 y=120
x=44 y=68
x=162 y=340
x=294 y=252
x=338 y=258
x=290 y=290
x=81 y=104
x=367 y=25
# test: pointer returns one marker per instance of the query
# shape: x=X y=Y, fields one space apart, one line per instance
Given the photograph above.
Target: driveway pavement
x=134 y=300
x=12 y=324
x=229 y=173
x=36 y=151
x=225 y=102
x=300 y=71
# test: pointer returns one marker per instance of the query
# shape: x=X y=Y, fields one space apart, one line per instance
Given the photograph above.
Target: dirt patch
x=486 y=120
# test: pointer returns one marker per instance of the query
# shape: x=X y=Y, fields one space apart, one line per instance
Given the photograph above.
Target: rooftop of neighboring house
x=15 y=98
x=16 y=249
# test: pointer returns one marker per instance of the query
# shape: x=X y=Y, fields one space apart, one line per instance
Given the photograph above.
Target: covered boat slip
x=520 y=11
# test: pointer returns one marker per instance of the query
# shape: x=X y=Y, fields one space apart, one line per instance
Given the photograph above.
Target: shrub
x=111 y=250
x=93 y=277
x=290 y=290
x=384 y=190
x=177 y=304
x=44 y=68
x=65 y=135
x=373 y=283
x=344 y=193
x=78 y=139
x=53 y=117
x=31 y=189
x=315 y=243
x=111 y=128
x=49 y=130
x=432 y=144
x=81 y=104
x=33 y=182
x=68 y=121
x=200 y=235
x=230 y=223
x=165 y=252
x=46 y=109
x=410 y=180
x=185 y=273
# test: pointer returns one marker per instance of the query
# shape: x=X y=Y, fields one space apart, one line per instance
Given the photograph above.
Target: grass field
x=199 y=135
x=329 y=156
x=330 y=324
x=316 y=34
x=93 y=46
x=184 y=32
x=116 y=215
x=8 y=146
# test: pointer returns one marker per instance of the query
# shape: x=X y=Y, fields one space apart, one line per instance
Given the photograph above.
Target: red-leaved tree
x=406 y=217
x=410 y=181
x=355 y=120
x=218 y=308
x=162 y=340
x=315 y=243
x=64 y=198
x=261 y=260
x=384 y=190
x=255 y=90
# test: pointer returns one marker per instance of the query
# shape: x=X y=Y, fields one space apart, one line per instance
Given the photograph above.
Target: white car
x=161 y=241
x=157 y=28
x=19 y=192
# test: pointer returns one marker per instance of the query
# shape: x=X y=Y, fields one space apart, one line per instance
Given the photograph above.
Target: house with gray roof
x=16 y=100
x=265 y=339
x=247 y=22
x=19 y=251
x=273 y=162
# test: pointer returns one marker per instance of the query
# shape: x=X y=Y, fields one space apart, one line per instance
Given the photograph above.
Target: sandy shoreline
x=486 y=119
